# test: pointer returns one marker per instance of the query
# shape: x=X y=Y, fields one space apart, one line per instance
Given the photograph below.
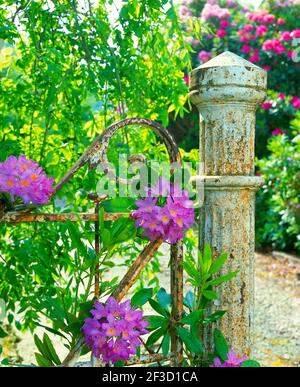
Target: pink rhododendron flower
x=246 y=49
x=25 y=178
x=286 y=36
x=281 y=96
x=221 y=33
x=268 y=45
x=277 y=132
x=114 y=331
x=232 y=361
x=261 y=30
x=266 y=105
x=164 y=218
x=186 y=79
x=204 y=55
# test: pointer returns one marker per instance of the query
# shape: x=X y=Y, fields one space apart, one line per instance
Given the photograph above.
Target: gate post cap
x=228 y=77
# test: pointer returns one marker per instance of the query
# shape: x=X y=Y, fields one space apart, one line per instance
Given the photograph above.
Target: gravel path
x=277 y=316
x=277 y=313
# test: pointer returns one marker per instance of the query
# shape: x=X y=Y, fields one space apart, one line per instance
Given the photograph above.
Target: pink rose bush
x=24 y=178
x=113 y=332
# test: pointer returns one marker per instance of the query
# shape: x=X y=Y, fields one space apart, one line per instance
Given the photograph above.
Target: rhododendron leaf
x=155 y=336
x=193 y=318
x=156 y=322
x=189 y=300
x=41 y=361
x=165 y=345
x=192 y=343
x=118 y=205
x=221 y=345
x=214 y=317
x=206 y=259
x=222 y=279
x=160 y=310
x=210 y=294
x=250 y=364
x=218 y=263
x=141 y=297
x=53 y=355
x=164 y=298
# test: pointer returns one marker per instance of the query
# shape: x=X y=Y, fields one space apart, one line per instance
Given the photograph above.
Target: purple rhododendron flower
x=114 y=330
x=25 y=178
x=168 y=220
x=232 y=361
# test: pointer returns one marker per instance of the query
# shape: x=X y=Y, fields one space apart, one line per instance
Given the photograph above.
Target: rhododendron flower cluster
x=113 y=333
x=25 y=178
x=296 y=102
x=232 y=361
x=165 y=213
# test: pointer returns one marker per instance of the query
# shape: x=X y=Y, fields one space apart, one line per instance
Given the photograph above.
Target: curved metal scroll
x=97 y=152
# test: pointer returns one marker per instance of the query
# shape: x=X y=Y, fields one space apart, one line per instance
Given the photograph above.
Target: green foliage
x=197 y=314
x=278 y=204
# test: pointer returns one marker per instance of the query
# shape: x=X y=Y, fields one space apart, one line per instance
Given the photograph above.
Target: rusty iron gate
x=95 y=154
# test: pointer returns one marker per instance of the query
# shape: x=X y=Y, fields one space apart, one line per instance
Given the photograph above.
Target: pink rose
x=296 y=103
x=266 y=105
x=280 y=21
x=269 y=18
x=268 y=45
x=277 y=132
x=254 y=58
x=221 y=33
x=224 y=23
x=246 y=49
x=286 y=36
x=267 y=68
x=248 y=27
x=204 y=55
x=261 y=30
x=296 y=34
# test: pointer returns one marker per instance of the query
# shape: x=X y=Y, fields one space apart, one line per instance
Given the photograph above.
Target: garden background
x=71 y=68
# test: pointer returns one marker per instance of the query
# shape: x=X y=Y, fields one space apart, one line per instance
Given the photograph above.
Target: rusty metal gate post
x=227 y=90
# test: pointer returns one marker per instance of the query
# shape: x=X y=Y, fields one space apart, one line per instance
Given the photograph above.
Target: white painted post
x=227 y=91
